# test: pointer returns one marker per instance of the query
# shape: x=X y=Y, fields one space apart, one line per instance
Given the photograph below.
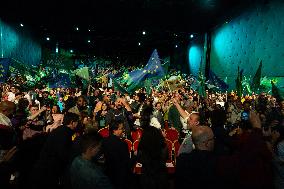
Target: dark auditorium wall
x=16 y=42
x=177 y=60
x=256 y=34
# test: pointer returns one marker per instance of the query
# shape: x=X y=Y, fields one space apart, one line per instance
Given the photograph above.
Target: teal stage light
x=194 y=58
x=57 y=48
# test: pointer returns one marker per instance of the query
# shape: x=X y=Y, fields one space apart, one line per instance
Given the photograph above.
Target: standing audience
x=84 y=172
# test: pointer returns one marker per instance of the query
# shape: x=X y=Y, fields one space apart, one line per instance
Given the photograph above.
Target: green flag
x=136 y=78
x=239 y=79
x=201 y=87
x=148 y=85
x=83 y=73
x=276 y=93
x=118 y=87
x=256 y=79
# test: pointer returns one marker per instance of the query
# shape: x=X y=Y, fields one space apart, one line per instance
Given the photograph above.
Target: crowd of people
x=49 y=138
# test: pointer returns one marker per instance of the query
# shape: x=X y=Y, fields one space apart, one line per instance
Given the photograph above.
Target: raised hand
x=10 y=154
x=43 y=108
x=255 y=119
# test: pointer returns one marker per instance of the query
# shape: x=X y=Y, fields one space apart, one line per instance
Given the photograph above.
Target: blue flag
x=217 y=82
x=153 y=70
x=62 y=80
x=4 y=68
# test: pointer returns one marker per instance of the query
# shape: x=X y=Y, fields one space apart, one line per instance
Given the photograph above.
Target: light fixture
x=71 y=51
x=144 y=33
x=191 y=36
x=89 y=41
x=89 y=30
x=22 y=25
x=56 y=48
x=77 y=28
x=176 y=46
x=139 y=44
x=47 y=38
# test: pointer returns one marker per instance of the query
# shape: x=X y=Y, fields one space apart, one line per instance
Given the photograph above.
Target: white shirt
x=184 y=121
x=155 y=123
x=11 y=96
x=4 y=120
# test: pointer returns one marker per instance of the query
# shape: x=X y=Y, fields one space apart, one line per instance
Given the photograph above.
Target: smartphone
x=245 y=116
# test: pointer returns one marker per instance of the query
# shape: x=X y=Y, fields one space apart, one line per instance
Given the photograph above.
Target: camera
x=245 y=116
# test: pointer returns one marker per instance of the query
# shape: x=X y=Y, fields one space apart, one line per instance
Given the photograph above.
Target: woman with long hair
x=152 y=154
x=101 y=115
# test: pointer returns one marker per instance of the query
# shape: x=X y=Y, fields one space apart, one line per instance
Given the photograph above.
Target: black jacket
x=196 y=170
x=117 y=161
x=54 y=158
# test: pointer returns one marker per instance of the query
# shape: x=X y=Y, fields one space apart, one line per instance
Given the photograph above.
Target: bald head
x=203 y=138
x=7 y=108
x=193 y=120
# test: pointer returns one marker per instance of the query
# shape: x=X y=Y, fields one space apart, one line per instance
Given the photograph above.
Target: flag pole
x=198 y=99
x=169 y=86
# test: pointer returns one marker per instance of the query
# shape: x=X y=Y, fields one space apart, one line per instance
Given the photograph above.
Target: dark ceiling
x=115 y=27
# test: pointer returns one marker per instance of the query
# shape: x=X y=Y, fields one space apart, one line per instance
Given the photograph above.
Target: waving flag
x=256 y=79
x=276 y=92
x=136 y=78
x=118 y=87
x=4 y=68
x=218 y=83
x=239 y=82
x=201 y=81
x=83 y=73
x=62 y=80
